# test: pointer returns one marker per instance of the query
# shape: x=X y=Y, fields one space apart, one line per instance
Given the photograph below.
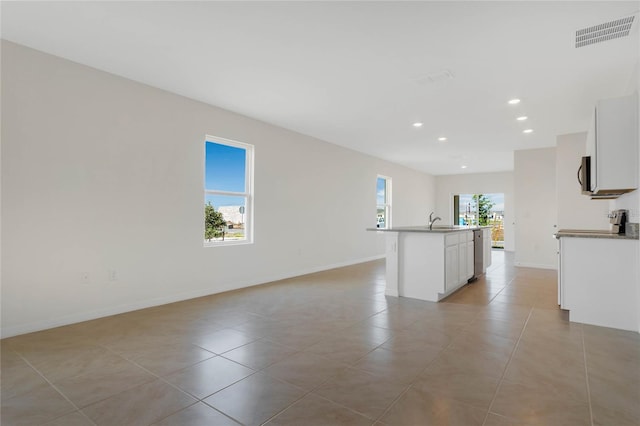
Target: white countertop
x=592 y=233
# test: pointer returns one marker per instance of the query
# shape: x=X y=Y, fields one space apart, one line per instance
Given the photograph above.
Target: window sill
x=226 y=243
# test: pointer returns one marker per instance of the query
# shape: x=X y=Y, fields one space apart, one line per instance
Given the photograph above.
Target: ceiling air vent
x=604 y=32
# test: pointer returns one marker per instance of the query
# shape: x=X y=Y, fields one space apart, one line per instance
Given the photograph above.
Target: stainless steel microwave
x=584 y=175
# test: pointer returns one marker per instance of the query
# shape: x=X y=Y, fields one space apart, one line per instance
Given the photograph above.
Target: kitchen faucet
x=432 y=220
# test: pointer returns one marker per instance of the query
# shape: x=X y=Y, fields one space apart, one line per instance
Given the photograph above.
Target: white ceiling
x=353 y=73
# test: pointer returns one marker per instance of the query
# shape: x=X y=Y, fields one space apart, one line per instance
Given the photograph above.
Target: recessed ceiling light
x=463 y=167
x=522 y=118
x=442 y=139
x=417 y=124
x=527 y=131
x=514 y=101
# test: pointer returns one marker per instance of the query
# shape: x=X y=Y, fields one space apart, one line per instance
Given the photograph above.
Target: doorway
x=481 y=210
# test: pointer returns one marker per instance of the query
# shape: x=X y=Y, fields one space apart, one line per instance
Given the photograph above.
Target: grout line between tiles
x=77 y=409
x=506 y=367
x=586 y=374
x=177 y=387
x=174 y=412
x=79 y=412
x=410 y=385
x=390 y=406
x=208 y=405
x=349 y=366
x=295 y=401
x=342 y=406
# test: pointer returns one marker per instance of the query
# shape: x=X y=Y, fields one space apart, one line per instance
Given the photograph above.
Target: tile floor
x=330 y=349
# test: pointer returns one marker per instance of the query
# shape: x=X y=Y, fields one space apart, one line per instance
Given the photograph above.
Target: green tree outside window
x=484 y=207
x=214 y=223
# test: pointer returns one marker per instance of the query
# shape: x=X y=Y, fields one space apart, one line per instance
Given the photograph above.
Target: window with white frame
x=383 y=202
x=228 y=198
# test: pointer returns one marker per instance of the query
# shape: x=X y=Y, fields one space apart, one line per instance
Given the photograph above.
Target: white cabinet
x=470 y=258
x=458 y=259
x=452 y=267
x=462 y=259
x=451 y=261
x=612 y=144
x=599 y=282
x=466 y=257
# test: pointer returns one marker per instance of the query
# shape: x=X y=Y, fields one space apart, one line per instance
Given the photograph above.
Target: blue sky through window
x=380 y=191
x=224 y=171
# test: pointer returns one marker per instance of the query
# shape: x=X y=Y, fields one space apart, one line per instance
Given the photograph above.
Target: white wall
x=631 y=202
x=535 y=208
x=100 y=173
x=477 y=183
x=575 y=210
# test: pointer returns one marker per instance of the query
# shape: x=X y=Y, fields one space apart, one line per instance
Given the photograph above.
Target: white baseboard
x=535 y=265
x=16 y=330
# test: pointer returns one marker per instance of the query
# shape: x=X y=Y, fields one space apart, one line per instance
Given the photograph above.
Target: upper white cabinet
x=612 y=144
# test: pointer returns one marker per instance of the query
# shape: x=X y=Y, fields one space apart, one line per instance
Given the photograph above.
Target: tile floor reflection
x=329 y=349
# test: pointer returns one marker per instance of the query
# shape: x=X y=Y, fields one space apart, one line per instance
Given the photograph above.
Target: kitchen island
x=430 y=264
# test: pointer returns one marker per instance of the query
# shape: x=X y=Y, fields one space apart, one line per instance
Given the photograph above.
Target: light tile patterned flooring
x=330 y=349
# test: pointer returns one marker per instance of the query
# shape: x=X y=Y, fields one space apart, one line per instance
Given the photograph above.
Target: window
x=383 y=202
x=228 y=182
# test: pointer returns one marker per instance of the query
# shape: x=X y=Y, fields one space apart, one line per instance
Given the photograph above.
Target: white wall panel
x=536 y=208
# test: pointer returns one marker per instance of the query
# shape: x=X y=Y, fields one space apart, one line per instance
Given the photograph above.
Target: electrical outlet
x=113 y=276
x=85 y=278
